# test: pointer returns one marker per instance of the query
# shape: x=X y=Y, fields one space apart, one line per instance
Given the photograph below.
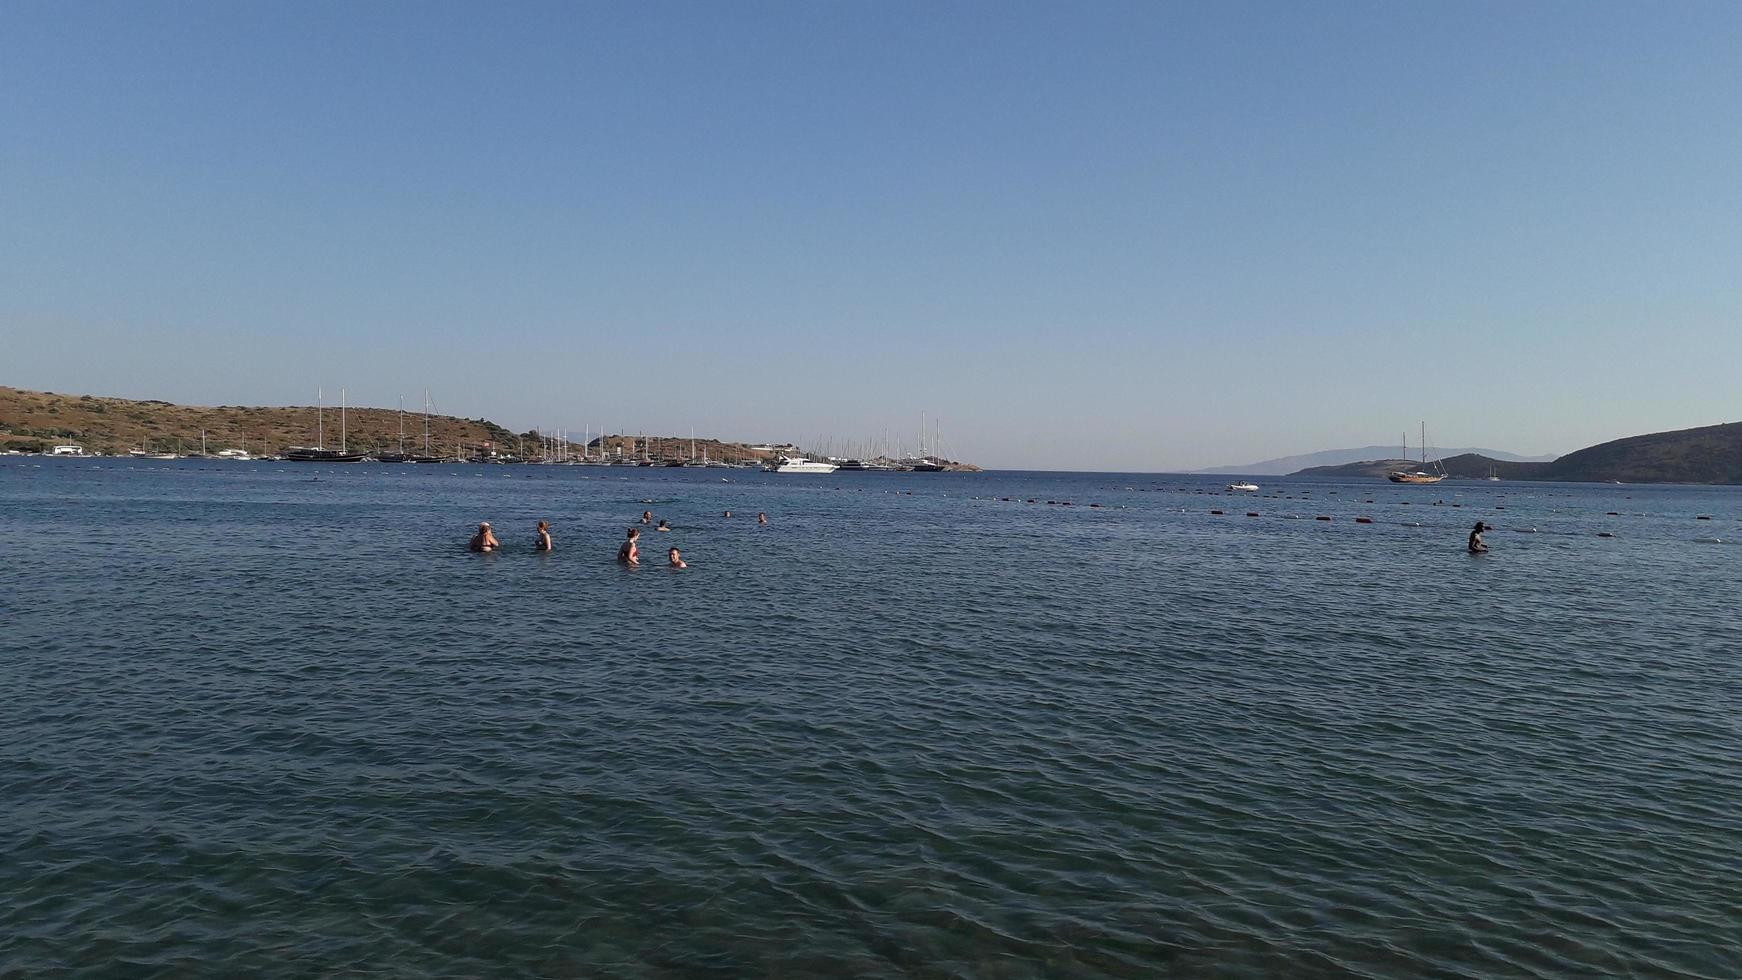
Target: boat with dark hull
x=319 y=453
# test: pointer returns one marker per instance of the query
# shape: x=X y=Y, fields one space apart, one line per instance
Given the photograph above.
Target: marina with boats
x=86 y=427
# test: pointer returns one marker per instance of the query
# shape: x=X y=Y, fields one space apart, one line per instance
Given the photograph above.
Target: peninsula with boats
x=1709 y=454
x=48 y=423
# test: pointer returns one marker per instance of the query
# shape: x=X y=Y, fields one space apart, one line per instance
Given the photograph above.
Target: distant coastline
x=1709 y=454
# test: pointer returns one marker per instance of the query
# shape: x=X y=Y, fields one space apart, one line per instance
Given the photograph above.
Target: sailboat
x=400 y=456
x=1491 y=477
x=1421 y=475
x=319 y=453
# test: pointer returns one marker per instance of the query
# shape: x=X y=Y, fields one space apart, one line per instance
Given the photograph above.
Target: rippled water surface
x=272 y=720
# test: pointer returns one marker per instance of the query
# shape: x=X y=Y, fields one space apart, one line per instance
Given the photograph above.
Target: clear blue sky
x=1104 y=235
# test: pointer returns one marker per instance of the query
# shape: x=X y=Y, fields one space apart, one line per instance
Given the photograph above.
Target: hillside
x=36 y=420
x=29 y=419
x=1709 y=454
x=1365 y=455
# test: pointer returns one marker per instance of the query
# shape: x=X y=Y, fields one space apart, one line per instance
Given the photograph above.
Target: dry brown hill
x=34 y=420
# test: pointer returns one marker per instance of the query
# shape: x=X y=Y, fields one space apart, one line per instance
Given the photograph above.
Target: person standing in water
x=484 y=541
x=675 y=559
x=1476 y=545
x=761 y=518
x=543 y=541
x=627 y=553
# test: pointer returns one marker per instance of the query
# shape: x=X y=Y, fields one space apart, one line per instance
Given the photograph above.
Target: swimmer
x=484 y=541
x=543 y=541
x=727 y=514
x=647 y=517
x=675 y=559
x=663 y=526
x=1476 y=545
x=627 y=552
x=761 y=518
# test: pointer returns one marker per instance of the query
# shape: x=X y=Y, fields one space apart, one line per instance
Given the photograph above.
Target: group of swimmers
x=628 y=553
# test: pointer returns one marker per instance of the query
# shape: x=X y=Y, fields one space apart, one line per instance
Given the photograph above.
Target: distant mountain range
x=1709 y=454
x=1336 y=457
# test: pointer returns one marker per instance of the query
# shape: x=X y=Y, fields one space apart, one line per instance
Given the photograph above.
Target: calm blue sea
x=271 y=720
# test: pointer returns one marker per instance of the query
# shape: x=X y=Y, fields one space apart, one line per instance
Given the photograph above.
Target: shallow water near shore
x=272 y=720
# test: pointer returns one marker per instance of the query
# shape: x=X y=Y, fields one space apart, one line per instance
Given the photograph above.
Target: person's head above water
x=675 y=558
x=544 y=525
x=1480 y=527
x=634 y=533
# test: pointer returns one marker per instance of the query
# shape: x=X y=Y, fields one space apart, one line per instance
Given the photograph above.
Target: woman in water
x=543 y=541
x=484 y=541
x=627 y=553
x=675 y=559
x=1476 y=545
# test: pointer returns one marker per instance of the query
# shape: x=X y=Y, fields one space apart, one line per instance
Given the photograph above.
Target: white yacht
x=70 y=449
x=798 y=464
x=234 y=454
x=1244 y=487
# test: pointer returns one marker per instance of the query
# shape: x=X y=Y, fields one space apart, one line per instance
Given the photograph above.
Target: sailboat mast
x=342 y=443
x=402 y=425
x=320 y=418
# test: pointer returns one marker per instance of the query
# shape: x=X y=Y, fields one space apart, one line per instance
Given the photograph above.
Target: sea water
x=273 y=720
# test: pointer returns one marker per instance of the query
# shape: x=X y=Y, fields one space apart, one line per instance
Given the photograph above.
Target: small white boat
x=1244 y=487
x=798 y=464
x=69 y=449
x=234 y=454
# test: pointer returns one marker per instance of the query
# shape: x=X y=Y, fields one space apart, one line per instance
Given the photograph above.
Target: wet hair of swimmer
x=634 y=532
x=543 y=525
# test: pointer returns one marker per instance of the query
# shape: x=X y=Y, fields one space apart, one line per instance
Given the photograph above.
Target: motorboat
x=798 y=464
x=1244 y=487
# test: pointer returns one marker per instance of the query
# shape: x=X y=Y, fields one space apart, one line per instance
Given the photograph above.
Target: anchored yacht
x=798 y=464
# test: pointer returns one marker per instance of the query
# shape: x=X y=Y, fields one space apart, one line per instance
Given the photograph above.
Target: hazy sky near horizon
x=1087 y=236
